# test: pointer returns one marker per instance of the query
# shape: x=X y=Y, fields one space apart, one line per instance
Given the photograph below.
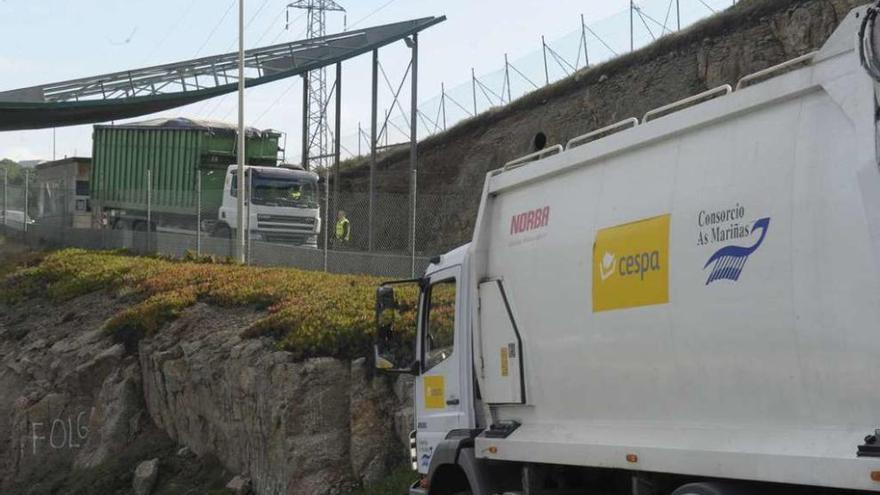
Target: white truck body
x=697 y=295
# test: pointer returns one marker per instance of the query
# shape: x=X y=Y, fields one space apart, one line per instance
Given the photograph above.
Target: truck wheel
x=222 y=232
x=710 y=489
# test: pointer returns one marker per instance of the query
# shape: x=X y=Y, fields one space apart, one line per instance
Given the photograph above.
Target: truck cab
x=282 y=204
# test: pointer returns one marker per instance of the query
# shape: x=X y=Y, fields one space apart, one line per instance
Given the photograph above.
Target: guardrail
x=698 y=98
x=600 y=133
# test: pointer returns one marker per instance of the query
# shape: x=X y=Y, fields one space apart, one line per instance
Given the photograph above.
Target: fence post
x=337 y=150
x=198 y=213
x=544 y=51
x=474 y=89
x=374 y=141
x=507 y=78
x=5 y=196
x=443 y=103
x=584 y=41
x=632 y=39
x=678 y=13
x=26 y=178
x=414 y=145
x=249 y=176
x=149 y=208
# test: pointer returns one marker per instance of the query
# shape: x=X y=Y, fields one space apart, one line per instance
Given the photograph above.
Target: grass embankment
x=310 y=314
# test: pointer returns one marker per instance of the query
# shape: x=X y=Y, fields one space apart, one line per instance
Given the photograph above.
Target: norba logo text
x=530 y=220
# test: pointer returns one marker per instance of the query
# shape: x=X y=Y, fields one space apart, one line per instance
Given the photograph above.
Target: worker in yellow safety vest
x=295 y=193
x=343 y=229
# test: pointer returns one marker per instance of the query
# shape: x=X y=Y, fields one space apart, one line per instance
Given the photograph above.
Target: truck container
x=687 y=302
x=186 y=164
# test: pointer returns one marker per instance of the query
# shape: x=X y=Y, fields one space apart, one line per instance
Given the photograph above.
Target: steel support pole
x=414 y=147
x=198 y=213
x=305 y=123
x=544 y=51
x=373 y=143
x=242 y=228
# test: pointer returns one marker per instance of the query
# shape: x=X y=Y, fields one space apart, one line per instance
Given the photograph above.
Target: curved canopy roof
x=137 y=92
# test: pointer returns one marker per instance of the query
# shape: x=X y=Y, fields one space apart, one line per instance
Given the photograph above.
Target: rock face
x=296 y=428
x=145 y=476
x=78 y=401
x=754 y=35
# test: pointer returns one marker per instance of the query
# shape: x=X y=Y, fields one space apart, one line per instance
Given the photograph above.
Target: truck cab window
x=439 y=323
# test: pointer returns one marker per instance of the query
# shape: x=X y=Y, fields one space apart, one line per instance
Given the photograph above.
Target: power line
x=170 y=30
x=371 y=14
x=214 y=31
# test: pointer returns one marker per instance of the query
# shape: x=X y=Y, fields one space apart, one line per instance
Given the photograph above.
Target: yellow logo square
x=631 y=265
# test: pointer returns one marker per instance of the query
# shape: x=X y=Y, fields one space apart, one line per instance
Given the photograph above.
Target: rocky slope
x=81 y=410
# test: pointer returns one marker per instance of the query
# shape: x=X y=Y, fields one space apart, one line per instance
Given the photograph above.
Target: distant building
x=63 y=193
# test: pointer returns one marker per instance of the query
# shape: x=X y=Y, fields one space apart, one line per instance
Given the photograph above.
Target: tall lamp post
x=242 y=228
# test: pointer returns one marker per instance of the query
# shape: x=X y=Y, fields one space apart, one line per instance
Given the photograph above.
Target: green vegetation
x=15 y=172
x=397 y=483
x=308 y=313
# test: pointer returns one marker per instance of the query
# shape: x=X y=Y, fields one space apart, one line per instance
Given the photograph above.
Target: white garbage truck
x=685 y=303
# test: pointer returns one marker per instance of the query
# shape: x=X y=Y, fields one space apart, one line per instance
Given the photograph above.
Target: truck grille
x=285 y=222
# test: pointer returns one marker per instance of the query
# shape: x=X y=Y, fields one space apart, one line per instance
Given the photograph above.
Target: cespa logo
x=631 y=265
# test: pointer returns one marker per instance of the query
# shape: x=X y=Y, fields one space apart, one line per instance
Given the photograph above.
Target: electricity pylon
x=318 y=130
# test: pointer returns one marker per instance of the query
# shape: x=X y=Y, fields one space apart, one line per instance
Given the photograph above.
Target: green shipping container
x=174 y=151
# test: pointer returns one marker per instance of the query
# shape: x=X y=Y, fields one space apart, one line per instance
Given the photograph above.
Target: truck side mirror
x=388 y=351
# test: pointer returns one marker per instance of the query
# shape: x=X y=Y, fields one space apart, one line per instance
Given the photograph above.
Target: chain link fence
x=190 y=223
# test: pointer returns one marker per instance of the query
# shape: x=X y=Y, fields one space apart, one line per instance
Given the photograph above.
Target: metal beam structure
x=317 y=123
x=137 y=92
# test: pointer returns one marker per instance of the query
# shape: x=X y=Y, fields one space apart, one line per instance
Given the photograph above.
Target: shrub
x=308 y=313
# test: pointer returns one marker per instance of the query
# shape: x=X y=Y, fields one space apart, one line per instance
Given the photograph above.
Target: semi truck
x=685 y=303
x=189 y=166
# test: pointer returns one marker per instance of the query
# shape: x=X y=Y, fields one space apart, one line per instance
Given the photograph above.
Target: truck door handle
x=452 y=402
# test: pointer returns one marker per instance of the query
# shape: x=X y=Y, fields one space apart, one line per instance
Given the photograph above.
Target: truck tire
x=710 y=488
x=222 y=232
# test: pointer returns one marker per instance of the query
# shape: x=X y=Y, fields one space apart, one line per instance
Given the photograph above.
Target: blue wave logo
x=729 y=261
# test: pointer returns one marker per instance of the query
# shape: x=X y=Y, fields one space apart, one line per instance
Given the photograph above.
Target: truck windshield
x=272 y=191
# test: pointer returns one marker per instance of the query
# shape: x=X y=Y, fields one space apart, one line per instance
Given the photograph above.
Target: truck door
x=440 y=403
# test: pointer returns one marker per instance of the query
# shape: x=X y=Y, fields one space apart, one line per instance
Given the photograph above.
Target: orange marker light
x=632 y=458
x=875 y=476
x=493 y=450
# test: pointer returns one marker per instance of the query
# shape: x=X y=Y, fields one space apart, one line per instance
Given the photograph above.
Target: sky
x=55 y=40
